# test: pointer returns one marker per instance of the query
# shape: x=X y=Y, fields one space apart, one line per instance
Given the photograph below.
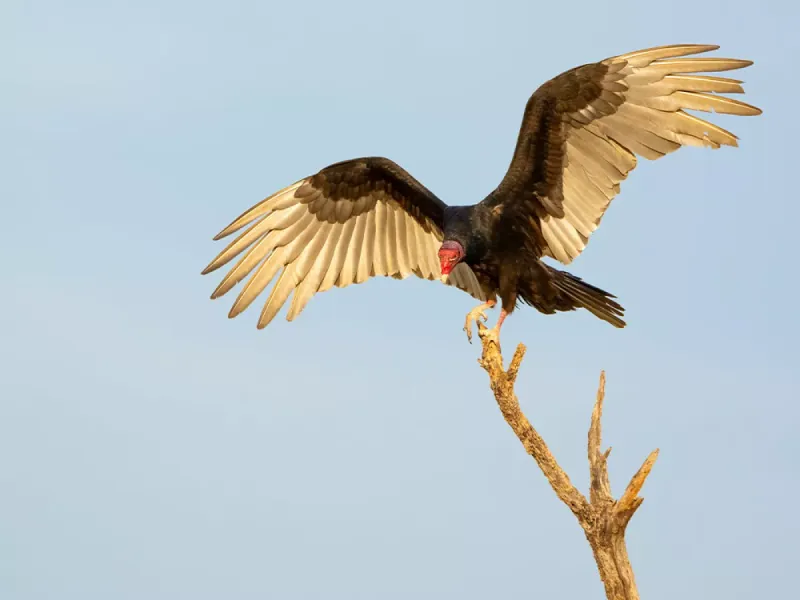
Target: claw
x=472 y=318
x=479 y=312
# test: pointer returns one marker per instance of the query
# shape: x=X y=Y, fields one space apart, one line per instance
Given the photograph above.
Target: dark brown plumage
x=579 y=138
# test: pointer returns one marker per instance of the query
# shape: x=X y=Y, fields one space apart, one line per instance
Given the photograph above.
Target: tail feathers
x=583 y=295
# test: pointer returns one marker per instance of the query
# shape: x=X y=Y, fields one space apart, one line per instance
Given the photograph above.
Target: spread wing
x=351 y=221
x=582 y=131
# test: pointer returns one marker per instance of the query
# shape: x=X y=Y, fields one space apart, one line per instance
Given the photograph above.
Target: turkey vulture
x=581 y=133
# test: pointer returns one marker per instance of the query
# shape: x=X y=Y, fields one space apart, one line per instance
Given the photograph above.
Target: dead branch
x=602 y=518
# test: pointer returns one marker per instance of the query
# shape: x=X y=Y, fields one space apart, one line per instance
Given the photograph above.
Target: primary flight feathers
x=580 y=137
x=349 y=222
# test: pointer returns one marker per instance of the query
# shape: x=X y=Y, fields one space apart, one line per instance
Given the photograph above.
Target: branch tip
x=629 y=500
x=595 y=427
x=516 y=362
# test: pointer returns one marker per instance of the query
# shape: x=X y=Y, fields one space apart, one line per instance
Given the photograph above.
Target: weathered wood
x=602 y=518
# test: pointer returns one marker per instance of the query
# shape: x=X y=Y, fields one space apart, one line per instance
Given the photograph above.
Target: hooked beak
x=450 y=254
x=446 y=266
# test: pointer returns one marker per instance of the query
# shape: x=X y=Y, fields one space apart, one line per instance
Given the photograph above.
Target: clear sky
x=150 y=448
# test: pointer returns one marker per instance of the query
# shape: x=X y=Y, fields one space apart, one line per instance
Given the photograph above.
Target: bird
x=581 y=135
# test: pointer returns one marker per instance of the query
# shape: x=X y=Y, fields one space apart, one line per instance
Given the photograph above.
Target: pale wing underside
x=309 y=243
x=641 y=111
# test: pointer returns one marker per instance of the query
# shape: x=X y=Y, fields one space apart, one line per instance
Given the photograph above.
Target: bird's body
x=505 y=254
x=579 y=138
x=506 y=260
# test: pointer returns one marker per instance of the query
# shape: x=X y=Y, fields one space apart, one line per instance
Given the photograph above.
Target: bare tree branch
x=602 y=518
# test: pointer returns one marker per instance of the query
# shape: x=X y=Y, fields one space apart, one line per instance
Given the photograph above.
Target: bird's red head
x=450 y=254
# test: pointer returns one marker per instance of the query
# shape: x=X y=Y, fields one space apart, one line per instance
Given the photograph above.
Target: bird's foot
x=479 y=312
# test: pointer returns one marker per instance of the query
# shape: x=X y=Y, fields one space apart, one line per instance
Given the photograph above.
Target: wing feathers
x=275 y=202
x=700 y=101
x=340 y=255
x=379 y=244
x=363 y=256
x=691 y=65
x=691 y=83
x=274 y=221
x=401 y=242
x=350 y=221
x=287 y=254
x=640 y=58
x=259 y=280
x=274 y=239
x=390 y=240
x=464 y=278
x=636 y=106
x=312 y=282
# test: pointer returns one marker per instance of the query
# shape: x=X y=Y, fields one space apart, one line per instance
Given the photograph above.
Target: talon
x=474 y=317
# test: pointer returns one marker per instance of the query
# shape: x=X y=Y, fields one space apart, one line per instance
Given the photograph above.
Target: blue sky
x=152 y=448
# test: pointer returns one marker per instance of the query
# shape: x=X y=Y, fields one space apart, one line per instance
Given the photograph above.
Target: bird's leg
x=494 y=333
x=475 y=314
